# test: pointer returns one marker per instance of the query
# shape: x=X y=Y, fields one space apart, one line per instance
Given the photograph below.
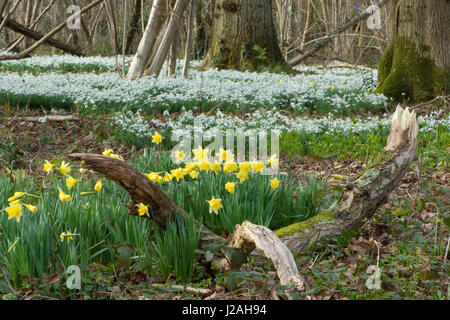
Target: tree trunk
x=244 y=37
x=168 y=38
x=416 y=64
x=134 y=26
x=188 y=49
x=143 y=53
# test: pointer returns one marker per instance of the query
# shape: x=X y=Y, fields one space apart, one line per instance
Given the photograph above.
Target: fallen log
x=44 y=119
x=47 y=37
x=359 y=201
x=361 y=198
x=327 y=40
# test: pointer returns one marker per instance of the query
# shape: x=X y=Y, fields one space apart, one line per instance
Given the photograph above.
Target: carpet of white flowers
x=337 y=90
x=73 y=216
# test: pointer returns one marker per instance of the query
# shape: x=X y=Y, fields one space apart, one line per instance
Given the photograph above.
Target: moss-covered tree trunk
x=416 y=64
x=244 y=37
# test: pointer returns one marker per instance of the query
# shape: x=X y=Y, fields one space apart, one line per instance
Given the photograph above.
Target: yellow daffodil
x=32 y=208
x=82 y=170
x=17 y=201
x=242 y=175
x=63 y=196
x=155 y=177
x=48 y=166
x=214 y=205
x=200 y=154
x=116 y=156
x=64 y=168
x=257 y=166
x=194 y=174
x=157 y=138
x=230 y=186
x=204 y=165
x=16 y=196
x=98 y=186
x=230 y=166
x=225 y=155
x=70 y=182
x=215 y=167
x=273 y=161
x=142 y=209
x=107 y=152
x=14 y=211
x=167 y=177
x=244 y=167
x=274 y=183
x=179 y=156
x=67 y=235
x=178 y=173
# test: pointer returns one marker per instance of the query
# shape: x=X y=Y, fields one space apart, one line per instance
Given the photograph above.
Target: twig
x=431 y=101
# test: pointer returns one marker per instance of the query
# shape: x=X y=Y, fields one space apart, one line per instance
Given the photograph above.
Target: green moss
x=308 y=224
x=404 y=74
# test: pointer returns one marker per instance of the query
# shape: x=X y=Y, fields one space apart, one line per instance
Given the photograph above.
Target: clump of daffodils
x=14 y=208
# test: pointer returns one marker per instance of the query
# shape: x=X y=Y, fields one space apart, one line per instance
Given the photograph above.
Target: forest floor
x=405 y=238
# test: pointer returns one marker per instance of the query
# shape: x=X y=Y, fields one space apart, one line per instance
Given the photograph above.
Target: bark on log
x=35 y=35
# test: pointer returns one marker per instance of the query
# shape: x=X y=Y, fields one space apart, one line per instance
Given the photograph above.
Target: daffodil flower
x=70 y=182
x=244 y=167
x=214 y=205
x=107 y=152
x=116 y=156
x=215 y=167
x=178 y=173
x=16 y=196
x=194 y=174
x=230 y=186
x=157 y=138
x=142 y=209
x=154 y=177
x=257 y=166
x=48 y=166
x=14 y=211
x=179 y=156
x=204 y=165
x=230 y=166
x=64 y=168
x=63 y=196
x=273 y=161
x=274 y=183
x=98 y=186
x=32 y=208
x=67 y=235
x=242 y=175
